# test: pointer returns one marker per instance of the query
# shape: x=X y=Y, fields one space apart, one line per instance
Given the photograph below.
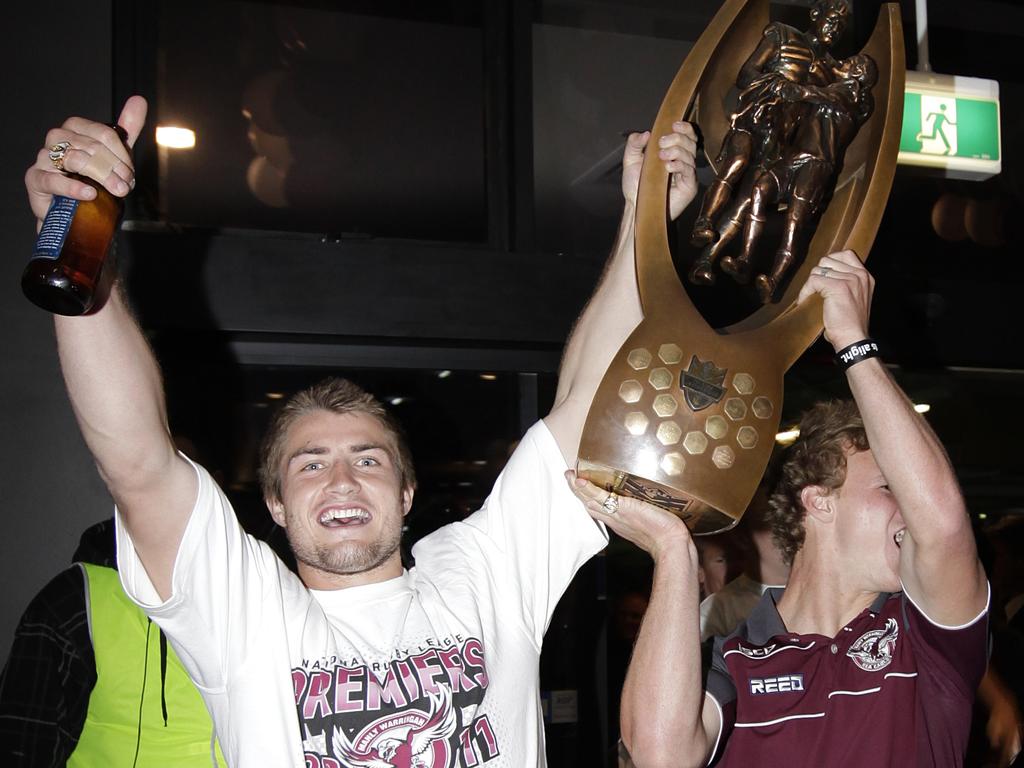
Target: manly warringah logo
x=779 y=684
x=873 y=650
x=416 y=710
x=410 y=738
x=702 y=383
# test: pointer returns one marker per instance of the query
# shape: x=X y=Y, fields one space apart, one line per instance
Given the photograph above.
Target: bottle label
x=55 y=227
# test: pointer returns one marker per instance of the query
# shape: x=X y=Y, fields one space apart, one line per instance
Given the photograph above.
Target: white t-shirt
x=438 y=667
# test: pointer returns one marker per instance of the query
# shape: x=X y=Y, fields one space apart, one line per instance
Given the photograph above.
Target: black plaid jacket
x=51 y=670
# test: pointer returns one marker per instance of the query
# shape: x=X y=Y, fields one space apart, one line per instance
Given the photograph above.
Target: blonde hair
x=335 y=395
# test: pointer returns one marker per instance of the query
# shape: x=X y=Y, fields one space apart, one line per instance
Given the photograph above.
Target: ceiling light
x=922 y=407
x=488 y=376
x=443 y=374
x=175 y=138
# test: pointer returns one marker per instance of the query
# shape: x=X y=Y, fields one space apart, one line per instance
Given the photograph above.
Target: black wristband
x=853 y=354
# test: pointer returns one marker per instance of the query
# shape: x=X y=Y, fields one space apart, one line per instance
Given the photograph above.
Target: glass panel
x=600 y=71
x=324 y=118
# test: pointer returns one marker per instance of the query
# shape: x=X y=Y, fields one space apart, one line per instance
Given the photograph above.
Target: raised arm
x=614 y=309
x=112 y=377
x=939 y=564
x=665 y=718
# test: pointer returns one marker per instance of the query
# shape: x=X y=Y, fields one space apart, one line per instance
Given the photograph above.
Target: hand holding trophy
x=686 y=414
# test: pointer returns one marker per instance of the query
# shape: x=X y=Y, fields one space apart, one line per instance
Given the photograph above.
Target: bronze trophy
x=686 y=415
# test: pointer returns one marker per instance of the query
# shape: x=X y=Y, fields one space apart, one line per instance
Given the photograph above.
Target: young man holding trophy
x=874 y=650
x=355 y=661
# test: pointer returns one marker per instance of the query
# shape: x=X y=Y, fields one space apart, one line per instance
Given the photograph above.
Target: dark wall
x=57 y=62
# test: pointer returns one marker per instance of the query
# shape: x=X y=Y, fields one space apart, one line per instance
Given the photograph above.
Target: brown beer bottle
x=63 y=275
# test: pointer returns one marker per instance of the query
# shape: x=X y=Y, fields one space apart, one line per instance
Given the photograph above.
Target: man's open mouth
x=339 y=518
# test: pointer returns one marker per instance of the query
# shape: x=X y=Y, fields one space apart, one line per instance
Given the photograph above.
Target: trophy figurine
x=686 y=414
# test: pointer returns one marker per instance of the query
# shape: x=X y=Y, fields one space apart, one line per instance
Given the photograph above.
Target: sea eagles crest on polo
x=873 y=650
x=702 y=383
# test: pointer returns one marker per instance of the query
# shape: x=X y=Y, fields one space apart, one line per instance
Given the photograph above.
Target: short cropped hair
x=829 y=431
x=335 y=395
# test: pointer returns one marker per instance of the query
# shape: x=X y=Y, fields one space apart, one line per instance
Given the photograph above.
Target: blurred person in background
x=763 y=565
x=91 y=681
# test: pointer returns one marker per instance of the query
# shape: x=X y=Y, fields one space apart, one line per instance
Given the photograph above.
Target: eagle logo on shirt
x=874 y=650
x=412 y=739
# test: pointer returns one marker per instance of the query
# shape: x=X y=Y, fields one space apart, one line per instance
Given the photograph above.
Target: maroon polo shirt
x=890 y=689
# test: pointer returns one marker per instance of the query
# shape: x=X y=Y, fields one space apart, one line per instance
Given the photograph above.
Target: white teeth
x=898 y=538
x=343 y=514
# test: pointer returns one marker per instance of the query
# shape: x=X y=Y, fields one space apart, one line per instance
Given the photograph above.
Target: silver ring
x=610 y=504
x=825 y=271
x=57 y=152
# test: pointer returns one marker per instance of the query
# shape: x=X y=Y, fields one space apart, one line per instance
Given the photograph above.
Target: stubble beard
x=346 y=557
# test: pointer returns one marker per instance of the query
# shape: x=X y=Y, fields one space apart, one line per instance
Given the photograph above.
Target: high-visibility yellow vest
x=125 y=723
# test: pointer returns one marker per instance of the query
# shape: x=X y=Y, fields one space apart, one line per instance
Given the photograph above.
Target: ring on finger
x=57 y=152
x=825 y=271
x=611 y=504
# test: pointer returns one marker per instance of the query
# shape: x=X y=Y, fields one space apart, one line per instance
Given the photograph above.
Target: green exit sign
x=952 y=124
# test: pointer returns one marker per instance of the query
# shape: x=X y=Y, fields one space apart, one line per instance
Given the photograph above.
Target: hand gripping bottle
x=63 y=275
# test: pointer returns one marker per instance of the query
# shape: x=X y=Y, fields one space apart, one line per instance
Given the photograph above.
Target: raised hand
x=678 y=150
x=846 y=288
x=649 y=527
x=87 y=148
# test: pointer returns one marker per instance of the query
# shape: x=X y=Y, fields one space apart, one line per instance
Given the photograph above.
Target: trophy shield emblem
x=686 y=414
x=702 y=383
